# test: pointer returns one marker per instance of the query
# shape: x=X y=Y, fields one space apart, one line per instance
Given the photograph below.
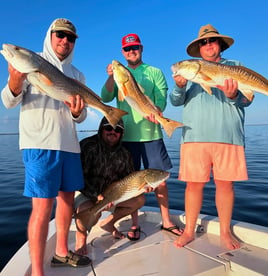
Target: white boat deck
x=155 y=254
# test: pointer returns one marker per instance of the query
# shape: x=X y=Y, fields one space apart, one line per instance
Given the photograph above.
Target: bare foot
x=118 y=235
x=229 y=241
x=183 y=240
x=81 y=243
x=110 y=228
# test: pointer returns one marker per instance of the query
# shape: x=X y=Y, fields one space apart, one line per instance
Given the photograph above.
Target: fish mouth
x=174 y=71
x=114 y=64
x=7 y=52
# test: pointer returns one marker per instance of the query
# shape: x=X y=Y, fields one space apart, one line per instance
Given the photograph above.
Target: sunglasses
x=118 y=128
x=129 y=48
x=204 y=42
x=61 y=34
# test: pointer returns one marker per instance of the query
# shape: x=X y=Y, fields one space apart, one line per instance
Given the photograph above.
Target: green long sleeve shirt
x=137 y=128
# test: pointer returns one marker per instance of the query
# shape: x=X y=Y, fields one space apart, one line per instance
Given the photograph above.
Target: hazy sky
x=165 y=27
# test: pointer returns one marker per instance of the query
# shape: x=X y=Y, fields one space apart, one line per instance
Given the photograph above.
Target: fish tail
x=170 y=125
x=114 y=114
x=87 y=218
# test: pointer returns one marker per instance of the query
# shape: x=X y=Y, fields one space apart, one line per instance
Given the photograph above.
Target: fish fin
x=142 y=185
x=121 y=96
x=170 y=125
x=204 y=76
x=114 y=114
x=40 y=88
x=251 y=72
x=206 y=88
x=249 y=94
x=38 y=80
x=44 y=79
x=141 y=88
x=122 y=93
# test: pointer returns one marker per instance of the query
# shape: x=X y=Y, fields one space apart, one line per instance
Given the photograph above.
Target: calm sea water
x=251 y=204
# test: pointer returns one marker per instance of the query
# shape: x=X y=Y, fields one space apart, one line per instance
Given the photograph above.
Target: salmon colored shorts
x=225 y=161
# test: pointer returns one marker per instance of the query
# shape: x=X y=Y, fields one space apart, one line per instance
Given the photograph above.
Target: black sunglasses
x=129 y=48
x=61 y=34
x=204 y=42
x=118 y=129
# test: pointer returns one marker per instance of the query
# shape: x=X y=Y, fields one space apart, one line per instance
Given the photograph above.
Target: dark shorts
x=49 y=171
x=153 y=154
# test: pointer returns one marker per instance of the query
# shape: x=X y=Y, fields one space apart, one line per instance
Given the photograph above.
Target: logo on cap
x=130 y=39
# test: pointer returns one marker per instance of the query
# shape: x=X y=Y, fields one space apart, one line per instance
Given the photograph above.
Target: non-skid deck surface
x=153 y=254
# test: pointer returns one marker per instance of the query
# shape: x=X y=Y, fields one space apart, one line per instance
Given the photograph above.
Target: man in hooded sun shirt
x=104 y=162
x=51 y=151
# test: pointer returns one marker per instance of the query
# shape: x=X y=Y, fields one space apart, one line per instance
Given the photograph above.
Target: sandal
x=172 y=228
x=72 y=259
x=136 y=232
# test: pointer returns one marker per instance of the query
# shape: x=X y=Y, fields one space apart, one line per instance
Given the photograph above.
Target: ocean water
x=251 y=203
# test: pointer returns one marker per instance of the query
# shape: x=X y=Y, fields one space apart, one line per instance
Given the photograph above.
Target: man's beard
x=134 y=62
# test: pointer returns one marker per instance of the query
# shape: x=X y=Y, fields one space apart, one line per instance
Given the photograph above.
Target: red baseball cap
x=130 y=39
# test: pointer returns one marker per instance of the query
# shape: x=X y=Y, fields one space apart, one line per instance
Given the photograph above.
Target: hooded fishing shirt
x=211 y=118
x=46 y=123
x=102 y=164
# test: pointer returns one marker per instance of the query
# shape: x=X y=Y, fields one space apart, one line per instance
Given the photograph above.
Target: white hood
x=48 y=53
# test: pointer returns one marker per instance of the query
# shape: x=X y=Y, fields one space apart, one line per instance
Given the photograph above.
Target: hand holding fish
x=129 y=187
x=109 y=69
x=76 y=105
x=180 y=81
x=50 y=80
x=229 y=88
x=213 y=74
x=16 y=80
x=130 y=91
x=108 y=206
x=152 y=118
x=149 y=189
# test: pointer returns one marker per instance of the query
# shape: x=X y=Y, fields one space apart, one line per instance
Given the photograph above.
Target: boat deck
x=155 y=254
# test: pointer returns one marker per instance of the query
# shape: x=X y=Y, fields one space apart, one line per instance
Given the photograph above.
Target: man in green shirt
x=143 y=136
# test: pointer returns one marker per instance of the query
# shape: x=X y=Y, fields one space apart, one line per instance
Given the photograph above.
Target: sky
x=165 y=28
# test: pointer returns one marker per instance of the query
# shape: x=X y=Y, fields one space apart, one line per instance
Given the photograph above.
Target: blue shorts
x=153 y=154
x=49 y=171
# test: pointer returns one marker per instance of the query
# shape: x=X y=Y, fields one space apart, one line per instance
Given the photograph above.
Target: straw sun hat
x=206 y=32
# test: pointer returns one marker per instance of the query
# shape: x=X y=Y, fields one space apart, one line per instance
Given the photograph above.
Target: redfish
x=50 y=80
x=130 y=91
x=130 y=186
x=210 y=74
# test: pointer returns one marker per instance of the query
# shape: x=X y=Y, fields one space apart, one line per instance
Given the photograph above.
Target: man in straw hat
x=213 y=139
x=51 y=150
